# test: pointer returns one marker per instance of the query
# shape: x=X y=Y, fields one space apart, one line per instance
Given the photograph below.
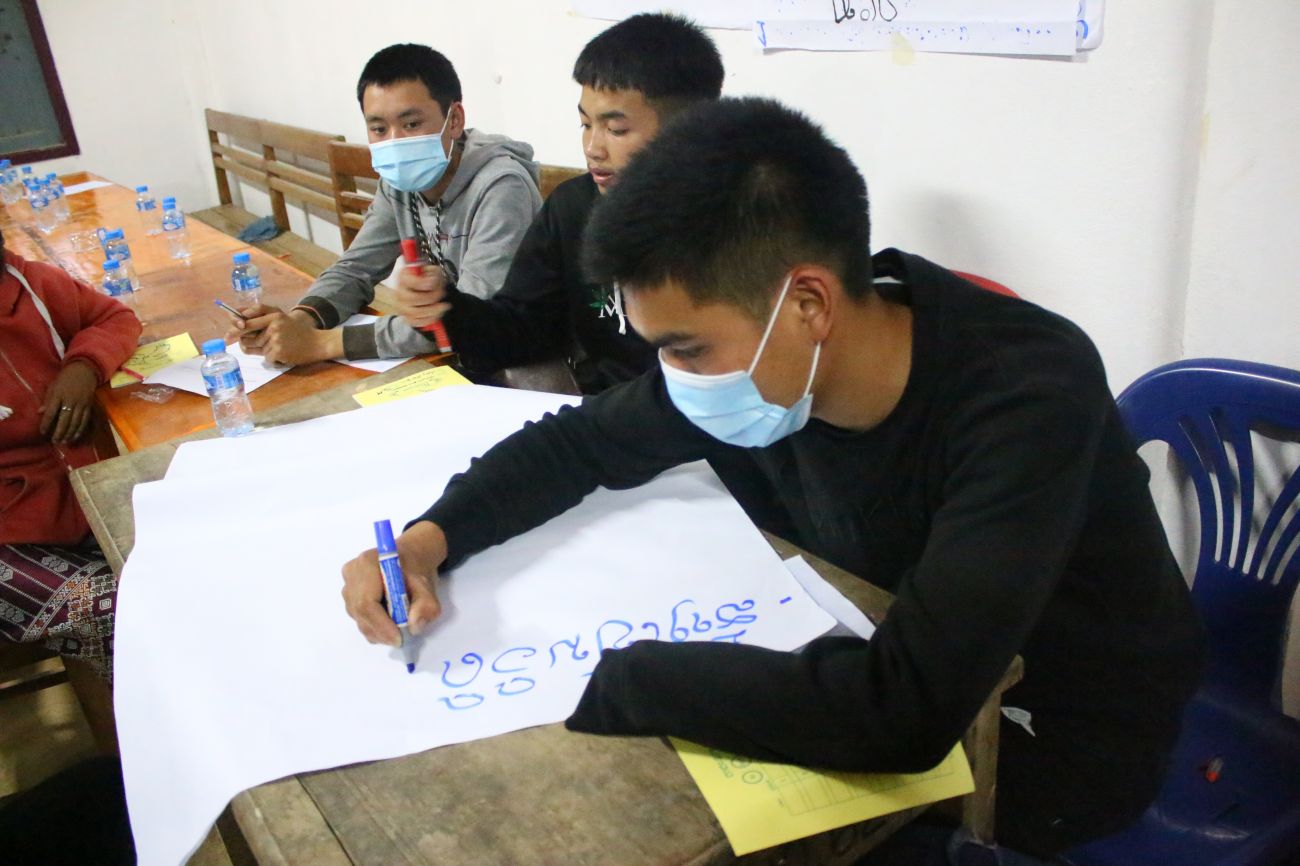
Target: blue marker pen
x=394 y=587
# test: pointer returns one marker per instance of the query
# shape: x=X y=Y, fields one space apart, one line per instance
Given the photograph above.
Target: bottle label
x=117 y=288
x=246 y=283
x=223 y=381
x=173 y=222
x=146 y=205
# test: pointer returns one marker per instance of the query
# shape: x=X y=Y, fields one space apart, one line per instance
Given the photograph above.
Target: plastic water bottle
x=57 y=199
x=116 y=284
x=246 y=280
x=10 y=189
x=225 y=384
x=173 y=226
x=40 y=205
x=27 y=179
x=115 y=248
x=146 y=207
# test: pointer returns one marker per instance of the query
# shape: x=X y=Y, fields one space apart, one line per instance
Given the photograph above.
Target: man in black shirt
x=634 y=76
x=957 y=447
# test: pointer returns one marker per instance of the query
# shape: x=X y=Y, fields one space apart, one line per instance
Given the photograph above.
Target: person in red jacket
x=59 y=339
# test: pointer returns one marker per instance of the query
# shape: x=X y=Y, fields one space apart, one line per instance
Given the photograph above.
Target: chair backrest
x=348 y=164
x=554 y=175
x=1246 y=573
x=289 y=162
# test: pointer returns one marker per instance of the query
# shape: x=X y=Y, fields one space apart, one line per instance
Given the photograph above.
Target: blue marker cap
x=241 y=258
x=384 y=537
x=213 y=346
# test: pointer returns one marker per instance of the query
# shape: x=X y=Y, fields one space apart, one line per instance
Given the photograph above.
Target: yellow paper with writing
x=760 y=804
x=421 y=383
x=151 y=358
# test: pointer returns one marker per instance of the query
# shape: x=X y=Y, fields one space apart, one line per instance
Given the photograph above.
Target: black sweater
x=1001 y=501
x=547 y=308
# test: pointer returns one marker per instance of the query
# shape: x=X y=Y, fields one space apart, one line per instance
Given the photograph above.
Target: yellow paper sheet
x=760 y=804
x=153 y=357
x=422 y=382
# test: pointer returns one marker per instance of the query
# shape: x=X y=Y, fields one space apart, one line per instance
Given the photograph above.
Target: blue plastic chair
x=1245 y=581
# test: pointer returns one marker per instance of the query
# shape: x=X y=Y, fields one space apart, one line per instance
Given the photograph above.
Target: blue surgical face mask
x=730 y=408
x=414 y=163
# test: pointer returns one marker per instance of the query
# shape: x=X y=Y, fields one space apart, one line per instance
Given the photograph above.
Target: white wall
x=132 y=91
x=1243 y=297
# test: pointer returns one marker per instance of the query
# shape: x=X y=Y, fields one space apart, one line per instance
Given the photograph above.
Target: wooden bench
x=289 y=164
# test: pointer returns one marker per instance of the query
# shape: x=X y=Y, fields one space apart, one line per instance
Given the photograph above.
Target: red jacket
x=36 y=501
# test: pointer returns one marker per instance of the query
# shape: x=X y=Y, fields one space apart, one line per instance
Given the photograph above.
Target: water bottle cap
x=169 y=201
x=241 y=258
x=27 y=169
x=142 y=188
x=51 y=176
x=112 y=265
x=4 y=163
x=214 y=346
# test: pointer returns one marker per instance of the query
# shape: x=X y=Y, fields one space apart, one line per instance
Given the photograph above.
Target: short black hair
x=410 y=62
x=726 y=200
x=668 y=58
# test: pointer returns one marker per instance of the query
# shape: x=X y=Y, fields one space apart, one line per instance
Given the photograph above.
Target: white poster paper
x=236 y=663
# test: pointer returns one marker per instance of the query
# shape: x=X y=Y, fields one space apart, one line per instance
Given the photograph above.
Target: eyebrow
x=604 y=115
x=410 y=112
x=668 y=339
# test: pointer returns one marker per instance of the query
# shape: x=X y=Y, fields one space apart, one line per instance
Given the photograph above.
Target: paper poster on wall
x=1055 y=28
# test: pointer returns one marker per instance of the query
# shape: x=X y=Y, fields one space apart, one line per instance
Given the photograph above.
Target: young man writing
x=466 y=196
x=956 y=447
x=634 y=77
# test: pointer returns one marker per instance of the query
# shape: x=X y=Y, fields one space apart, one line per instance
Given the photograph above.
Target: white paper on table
x=1009 y=27
x=85 y=187
x=185 y=375
x=236 y=663
x=830 y=599
x=374 y=365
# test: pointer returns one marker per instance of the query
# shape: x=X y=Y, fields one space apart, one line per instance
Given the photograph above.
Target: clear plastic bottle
x=116 y=248
x=230 y=407
x=11 y=191
x=116 y=284
x=146 y=207
x=27 y=179
x=246 y=280
x=173 y=226
x=58 y=202
x=41 y=210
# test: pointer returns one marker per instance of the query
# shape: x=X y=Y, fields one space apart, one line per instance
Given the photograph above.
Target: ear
x=456 y=122
x=816 y=292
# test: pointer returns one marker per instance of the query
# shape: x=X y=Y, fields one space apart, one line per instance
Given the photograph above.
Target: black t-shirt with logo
x=547 y=308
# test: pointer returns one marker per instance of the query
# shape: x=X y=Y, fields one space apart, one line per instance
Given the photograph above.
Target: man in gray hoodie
x=466 y=197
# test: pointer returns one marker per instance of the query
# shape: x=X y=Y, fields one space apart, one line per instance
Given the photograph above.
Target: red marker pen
x=411 y=253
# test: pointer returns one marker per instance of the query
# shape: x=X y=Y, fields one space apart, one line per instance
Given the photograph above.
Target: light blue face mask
x=729 y=407
x=414 y=163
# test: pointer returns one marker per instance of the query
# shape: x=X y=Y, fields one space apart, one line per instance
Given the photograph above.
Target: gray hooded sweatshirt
x=487 y=208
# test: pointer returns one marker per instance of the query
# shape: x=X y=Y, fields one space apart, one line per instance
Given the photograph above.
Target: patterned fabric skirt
x=63 y=597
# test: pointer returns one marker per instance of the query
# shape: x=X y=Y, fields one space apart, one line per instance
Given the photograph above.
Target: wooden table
x=536 y=796
x=175 y=296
